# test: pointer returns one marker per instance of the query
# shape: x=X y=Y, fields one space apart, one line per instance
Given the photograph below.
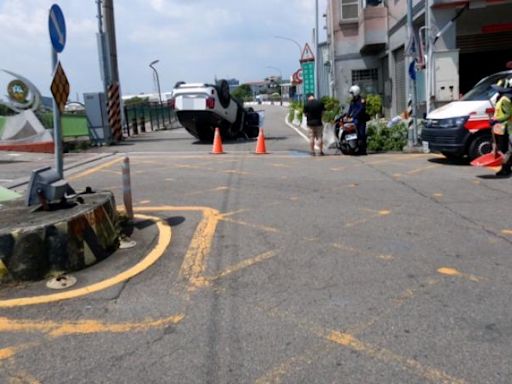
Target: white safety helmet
x=355 y=90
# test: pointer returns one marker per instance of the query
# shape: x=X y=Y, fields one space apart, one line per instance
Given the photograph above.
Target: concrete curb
x=57 y=241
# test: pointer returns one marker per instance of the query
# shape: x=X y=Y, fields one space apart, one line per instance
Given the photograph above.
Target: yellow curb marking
x=95 y=169
x=387 y=356
x=164 y=239
x=243 y=264
x=83 y=327
x=453 y=272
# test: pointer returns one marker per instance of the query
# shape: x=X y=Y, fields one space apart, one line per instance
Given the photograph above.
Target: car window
x=483 y=90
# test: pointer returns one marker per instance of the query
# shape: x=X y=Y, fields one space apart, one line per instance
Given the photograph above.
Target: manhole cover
x=127 y=243
x=61 y=282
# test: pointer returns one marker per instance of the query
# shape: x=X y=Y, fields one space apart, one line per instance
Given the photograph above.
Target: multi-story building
x=369 y=39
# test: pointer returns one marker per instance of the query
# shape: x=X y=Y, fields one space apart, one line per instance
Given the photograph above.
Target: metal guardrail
x=146 y=116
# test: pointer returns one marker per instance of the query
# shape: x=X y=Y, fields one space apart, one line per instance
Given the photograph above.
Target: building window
x=349 y=9
x=367 y=79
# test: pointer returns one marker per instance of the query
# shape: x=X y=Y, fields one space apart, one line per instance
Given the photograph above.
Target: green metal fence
x=148 y=116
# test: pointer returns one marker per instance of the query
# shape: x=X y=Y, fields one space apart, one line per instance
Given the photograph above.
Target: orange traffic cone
x=217 y=143
x=261 y=148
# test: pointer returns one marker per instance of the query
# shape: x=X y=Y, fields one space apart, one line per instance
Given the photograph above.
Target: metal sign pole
x=57 y=127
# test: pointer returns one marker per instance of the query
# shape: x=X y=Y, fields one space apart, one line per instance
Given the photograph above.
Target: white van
x=462 y=128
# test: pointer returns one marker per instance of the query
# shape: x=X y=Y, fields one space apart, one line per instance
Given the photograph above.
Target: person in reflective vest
x=502 y=124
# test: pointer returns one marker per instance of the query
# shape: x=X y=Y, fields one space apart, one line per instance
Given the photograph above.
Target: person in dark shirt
x=313 y=111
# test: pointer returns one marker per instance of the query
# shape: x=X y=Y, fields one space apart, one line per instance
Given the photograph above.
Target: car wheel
x=480 y=145
x=223 y=92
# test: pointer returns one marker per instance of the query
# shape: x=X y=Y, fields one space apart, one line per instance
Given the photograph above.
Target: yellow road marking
x=256 y=226
x=439 y=195
x=95 y=169
x=422 y=169
x=82 y=327
x=22 y=377
x=507 y=232
x=164 y=239
x=235 y=172
x=453 y=272
x=279 y=165
x=381 y=213
x=218 y=189
x=7 y=353
x=387 y=356
x=145 y=202
x=275 y=375
x=243 y=264
x=194 y=263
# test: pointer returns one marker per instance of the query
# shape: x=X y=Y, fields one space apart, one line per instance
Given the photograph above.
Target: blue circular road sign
x=57 y=28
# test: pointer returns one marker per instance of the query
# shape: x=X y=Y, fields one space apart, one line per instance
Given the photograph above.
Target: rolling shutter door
x=485 y=42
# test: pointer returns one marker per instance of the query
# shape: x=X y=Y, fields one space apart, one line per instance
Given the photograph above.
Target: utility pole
x=317 y=59
x=110 y=32
x=413 y=133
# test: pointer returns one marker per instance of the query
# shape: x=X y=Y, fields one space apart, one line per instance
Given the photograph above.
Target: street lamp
x=277 y=69
x=293 y=41
x=151 y=65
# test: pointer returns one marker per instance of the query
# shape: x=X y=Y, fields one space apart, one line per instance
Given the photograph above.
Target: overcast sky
x=193 y=39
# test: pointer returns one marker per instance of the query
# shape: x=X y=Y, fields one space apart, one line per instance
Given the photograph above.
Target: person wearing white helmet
x=503 y=115
x=357 y=114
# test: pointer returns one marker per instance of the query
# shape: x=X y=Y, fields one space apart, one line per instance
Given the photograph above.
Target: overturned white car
x=201 y=108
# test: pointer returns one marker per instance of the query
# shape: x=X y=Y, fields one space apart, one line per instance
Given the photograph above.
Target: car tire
x=223 y=93
x=479 y=146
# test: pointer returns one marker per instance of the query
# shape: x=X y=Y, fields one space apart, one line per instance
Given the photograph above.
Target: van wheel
x=480 y=145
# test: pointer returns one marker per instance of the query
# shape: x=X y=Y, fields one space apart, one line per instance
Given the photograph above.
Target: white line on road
x=296 y=129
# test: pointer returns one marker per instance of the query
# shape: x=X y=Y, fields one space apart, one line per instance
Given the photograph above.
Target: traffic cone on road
x=217 y=143
x=261 y=148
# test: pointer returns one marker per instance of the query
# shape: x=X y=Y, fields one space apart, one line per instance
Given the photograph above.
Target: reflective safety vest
x=503 y=111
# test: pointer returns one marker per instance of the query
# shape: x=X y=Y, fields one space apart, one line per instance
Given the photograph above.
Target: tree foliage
x=242 y=92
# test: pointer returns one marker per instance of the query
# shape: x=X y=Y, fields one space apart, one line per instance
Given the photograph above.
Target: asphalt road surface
x=281 y=268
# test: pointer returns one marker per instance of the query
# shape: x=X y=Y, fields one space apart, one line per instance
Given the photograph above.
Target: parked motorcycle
x=346 y=134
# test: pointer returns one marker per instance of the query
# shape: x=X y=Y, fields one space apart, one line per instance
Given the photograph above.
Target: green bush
x=373 y=105
x=295 y=110
x=381 y=138
x=332 y=108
